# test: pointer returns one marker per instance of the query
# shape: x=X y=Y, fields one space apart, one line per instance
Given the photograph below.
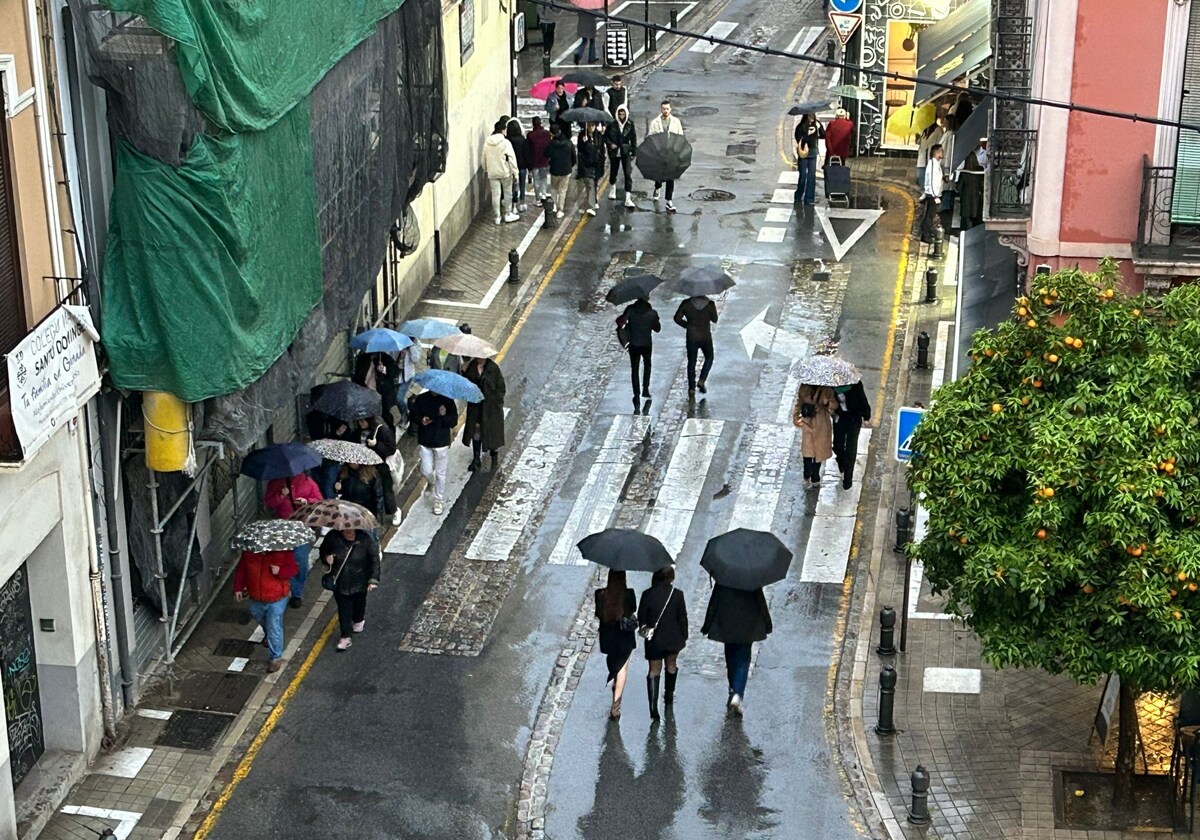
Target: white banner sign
x=51 y=374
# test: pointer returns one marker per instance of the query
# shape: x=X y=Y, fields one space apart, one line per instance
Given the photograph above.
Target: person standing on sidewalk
x=264 y=578
x=282 y=498
x=621 y=138
x=697 y=315
x=484 y=428
x=585 y=28
x=500 y=165
x=931 y=196
x=516 y=136
x=538 y=141
x=641 y=320
x=591 y=166
x=817 y=404
x=665 y=123
x=436 y=416
x=383 y=373
x=738 y=618
x=852 y=414
x=556 y=104
x=561 y=153
x=663 y=609
x=809 y=134
x=353 y=558
x=618 y=95
x=615 y=607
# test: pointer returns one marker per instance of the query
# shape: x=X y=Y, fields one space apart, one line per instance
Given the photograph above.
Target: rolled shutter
x=1185 y=201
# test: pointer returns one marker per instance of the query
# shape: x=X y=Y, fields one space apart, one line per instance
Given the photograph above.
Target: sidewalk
x=990 y=740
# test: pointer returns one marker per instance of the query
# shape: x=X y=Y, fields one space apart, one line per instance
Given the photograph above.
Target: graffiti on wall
x=18 y=671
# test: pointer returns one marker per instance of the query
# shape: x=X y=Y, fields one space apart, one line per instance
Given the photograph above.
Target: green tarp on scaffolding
x=246 y=64
x=211 y=266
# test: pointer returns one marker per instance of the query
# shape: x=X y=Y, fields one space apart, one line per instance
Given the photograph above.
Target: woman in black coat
x=352 y=557
x=615 y=606
x=738 y=618
x=379 y=438
x=484 y=428
x=852 y=414
x=664 y=609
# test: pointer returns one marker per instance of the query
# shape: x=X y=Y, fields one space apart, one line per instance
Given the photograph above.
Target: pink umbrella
x=545 y=87
x=590 y=5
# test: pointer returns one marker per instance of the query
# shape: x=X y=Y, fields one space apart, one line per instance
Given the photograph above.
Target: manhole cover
x=711 y=195
x=214 y=692
x=700 y=111
x=735 y=149
x=188 y=730
x=236 y=648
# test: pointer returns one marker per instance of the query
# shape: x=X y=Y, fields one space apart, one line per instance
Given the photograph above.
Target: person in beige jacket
x=665 y=123
x=500 y=165
x=817 y=404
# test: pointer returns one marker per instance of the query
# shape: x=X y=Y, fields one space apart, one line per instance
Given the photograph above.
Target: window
x=1185 y=198
x=12 y=307
x=466 y=29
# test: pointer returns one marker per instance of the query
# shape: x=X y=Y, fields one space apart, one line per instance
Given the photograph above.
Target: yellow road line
x=243 y=767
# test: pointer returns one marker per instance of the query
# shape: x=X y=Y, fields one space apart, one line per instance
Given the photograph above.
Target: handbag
x=623 y=331
x=801 y=151
x=628 y=624
x=647 y=632
x=329 y=579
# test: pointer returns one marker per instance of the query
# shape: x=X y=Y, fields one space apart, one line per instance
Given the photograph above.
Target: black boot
x=652 y=693
x=669 y=689
x=474 y=465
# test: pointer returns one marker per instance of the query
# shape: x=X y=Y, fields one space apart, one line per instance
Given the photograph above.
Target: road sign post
x=907 y=419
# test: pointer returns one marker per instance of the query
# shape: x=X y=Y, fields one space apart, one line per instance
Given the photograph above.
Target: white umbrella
x=345 y=451
x=825 y=370
x=466 y=345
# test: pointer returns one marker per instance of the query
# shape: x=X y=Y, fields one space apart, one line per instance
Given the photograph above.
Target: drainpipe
x=111 y=467
x=45 y=147
x=86 y=443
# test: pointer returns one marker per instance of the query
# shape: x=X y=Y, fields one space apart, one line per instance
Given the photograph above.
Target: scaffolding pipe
x=86 y=444
x=159 y=572
x=187 y=561
x=112 y=480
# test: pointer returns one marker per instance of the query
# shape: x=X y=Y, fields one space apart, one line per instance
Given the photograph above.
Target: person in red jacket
x=263 y=577
x=538 y=141
x=837 y=136
x=283 y=497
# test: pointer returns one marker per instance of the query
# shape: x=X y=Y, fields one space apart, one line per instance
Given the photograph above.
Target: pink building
x=1068 y=187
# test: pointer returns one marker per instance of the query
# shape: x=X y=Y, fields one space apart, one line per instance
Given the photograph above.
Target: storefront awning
x=987 y=281
x=954 y=46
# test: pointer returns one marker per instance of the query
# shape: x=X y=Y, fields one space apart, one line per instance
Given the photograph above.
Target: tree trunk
x=1127 y=732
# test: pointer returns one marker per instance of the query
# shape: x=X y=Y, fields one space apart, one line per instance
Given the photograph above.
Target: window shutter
x=1185 y=202
x=12 y=305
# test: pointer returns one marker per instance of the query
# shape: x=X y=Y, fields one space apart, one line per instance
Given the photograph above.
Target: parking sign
x=906 y=423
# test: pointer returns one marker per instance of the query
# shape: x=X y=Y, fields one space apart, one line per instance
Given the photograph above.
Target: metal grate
x=711 y=195
x=190 y=730
x=700 y=111
x=235 y=648
x=216 y=692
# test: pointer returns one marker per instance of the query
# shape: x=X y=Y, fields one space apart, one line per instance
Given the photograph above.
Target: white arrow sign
x=758 y=333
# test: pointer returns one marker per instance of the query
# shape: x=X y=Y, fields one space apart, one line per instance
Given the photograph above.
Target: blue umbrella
x=428 y=328
x=280 y=460
x=381 y=340
x=449 y=384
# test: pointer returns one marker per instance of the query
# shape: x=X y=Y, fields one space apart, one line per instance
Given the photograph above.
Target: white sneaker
x=657 y=190
x=591 y=211
x=612 y=193
x=497 y=220
x=397 y=517
x=670 y=207
x=558 y=215
x=523 y=208
x=596 y=206
x=511 y=217
x=628 y=200
x=735 y=705
x=437 y=507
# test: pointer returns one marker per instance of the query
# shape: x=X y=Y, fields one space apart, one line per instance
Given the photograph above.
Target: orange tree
x=1060 y=477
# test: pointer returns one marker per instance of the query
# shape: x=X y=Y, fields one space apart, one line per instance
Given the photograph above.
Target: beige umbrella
x=338 y=514
x=345 y=451
x=466 y=345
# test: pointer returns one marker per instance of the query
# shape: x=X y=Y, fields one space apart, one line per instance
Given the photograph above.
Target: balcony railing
x=1010 y=189
x=1165 y=233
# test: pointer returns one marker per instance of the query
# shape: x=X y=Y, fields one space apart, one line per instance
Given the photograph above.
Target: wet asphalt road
x=381 y=743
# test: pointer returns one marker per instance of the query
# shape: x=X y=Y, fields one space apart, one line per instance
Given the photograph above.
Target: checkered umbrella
x=345 y=451
x=826 y=370
x=338 y=514
x=272 y=535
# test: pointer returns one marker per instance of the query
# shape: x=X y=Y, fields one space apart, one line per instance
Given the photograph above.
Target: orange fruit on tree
x=1192 y=587
x=1135 y=312
x=1177 y=614
x=1025 y=400
x=1181 y=577
x=1052 y=358
x=1134 y=550
x=997 y=408
x=1041 y=533
x=1046 y=301
x=1031 y=324
x=1037 y=383
x=1048 y=492
x=1022 y=311
x=1088 y=588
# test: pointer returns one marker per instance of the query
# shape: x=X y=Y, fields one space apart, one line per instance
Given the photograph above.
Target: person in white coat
x=665 y=123
x=500 y=164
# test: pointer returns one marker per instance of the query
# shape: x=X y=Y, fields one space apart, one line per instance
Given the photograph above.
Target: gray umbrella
x=585 y=115
x=273 y=535
x=825 y=370
x=703 y=280
x=345 y=451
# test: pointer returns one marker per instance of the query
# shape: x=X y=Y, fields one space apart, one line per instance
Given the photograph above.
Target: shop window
x=466 y=29
x=901 y=120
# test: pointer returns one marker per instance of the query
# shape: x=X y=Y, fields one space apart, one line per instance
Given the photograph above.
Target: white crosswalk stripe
x=832 y=531
x=761 y=485
x=720 y=29
x=679 y=493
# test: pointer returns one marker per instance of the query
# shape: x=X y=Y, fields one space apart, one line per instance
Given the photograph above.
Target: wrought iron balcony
x=1010 y=185
x=1168 y=215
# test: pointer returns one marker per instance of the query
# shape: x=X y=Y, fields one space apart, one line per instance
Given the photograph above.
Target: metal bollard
x=887 y=701
x=551 y=219
x=514 y=265
x=923 y=351
x=931 y=284
x=674 y=18
x=887 y=632
x=904 y=522
x=919 y=813
x=829 y=48
x=938 y=250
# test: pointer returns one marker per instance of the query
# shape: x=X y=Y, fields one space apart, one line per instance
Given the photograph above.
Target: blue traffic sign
x=845 y=5
x=906 y=423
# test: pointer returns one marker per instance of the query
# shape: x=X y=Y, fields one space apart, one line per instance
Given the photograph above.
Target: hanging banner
x=51 y=374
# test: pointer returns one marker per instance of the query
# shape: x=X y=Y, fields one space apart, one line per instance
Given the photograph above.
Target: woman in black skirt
x=615 y=607
x=663 y=608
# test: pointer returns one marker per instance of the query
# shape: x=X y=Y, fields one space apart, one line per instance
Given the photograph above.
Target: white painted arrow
x=758 y=333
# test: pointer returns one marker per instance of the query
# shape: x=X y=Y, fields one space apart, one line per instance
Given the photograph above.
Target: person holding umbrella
x=641 y=321
x=808 y=136
x=666 y=123
x=591 y=166
x=741 y=562
x=484 y=428
x=615 y=608
x=374 y=434
x=351 y=558
x=696 y=315
x=817 y=404
x=852 y=414
x=663 y=623
x=282 y=498
x=557 y=104
x=435 y=416
x=267 y=564
x=621 y=138
x=380 y=372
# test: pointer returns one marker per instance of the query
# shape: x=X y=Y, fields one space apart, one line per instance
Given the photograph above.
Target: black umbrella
x=585 y=115
x=664 y=157
x=634 y=286
x=814 y=107
x=703 y=280
x=280 y=460
x=587 y=78
x=625 y=550
x=745 y=559
x=348 y=401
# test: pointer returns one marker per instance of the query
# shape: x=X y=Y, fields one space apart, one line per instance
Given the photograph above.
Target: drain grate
x=735 y=149
x=711 y=195
x=700 y=111
x=235 y=648
x=216 y=692
x=189 y=730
